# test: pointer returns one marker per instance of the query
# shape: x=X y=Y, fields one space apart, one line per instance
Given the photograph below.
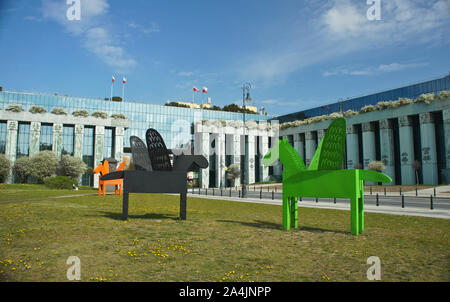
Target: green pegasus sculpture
x=324 y=177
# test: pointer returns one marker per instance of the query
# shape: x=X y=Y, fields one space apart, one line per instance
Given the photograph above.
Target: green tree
x=71 y=166
x=22 y=169
x=5 y=166
x=43 y=165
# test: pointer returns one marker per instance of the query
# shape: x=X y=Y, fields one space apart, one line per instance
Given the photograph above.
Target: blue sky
x=296 y=54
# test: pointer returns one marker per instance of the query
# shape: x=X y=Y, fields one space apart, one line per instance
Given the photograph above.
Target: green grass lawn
x=220 y=241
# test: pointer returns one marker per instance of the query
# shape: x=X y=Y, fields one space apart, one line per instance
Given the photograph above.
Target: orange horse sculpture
x=104 y=169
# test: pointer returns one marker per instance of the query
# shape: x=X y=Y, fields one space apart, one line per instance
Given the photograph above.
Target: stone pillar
x=387 y=149
x=369 y=152
x=201 y=147
x=264 y=147
x=277 y=167
x=310 y=147
x=35 y=134
x=446 y=118
x=429 y=155
x=352 y=147
x=406 y=150
x=299 y=143
x=11 y=144
x=235 y=148
x=219 y=153
x=118 y=146
x=320 y=135
x=98 y=149
x=78 y=142
x=250 y=173
x=57 y=139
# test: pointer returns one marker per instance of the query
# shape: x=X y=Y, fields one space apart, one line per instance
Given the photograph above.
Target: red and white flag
x=113 y=79
x=195 y=89
x=124 y=80
x=205 y=90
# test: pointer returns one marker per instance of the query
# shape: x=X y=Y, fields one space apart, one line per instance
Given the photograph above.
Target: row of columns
x=305 y=144
x=230 y=144
x=57 y=134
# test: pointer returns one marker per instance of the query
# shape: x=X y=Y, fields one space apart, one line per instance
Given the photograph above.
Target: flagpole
x=123 y=90
x=111 y=90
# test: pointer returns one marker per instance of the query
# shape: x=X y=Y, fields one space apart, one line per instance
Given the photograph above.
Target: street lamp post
x=245 y=98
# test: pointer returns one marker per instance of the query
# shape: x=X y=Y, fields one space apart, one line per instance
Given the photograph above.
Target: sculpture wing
x=330 y=153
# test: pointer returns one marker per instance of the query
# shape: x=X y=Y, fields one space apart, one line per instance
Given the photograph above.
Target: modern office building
x=413 y=140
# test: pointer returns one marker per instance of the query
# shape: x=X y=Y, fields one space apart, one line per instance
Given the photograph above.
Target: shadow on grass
x=275 y=226
x=118 y=216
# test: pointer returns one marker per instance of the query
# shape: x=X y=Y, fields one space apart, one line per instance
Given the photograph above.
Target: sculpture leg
x=294 y=212
x=361 y=211
x=115 y=189
x=286 y=213
x=120 y=188
x=125 y=205
x=99 y=189
x=183 y=203
x=354 y=215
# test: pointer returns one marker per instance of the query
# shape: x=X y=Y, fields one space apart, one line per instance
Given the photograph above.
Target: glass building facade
x=23 y=140
x=411 y=91
x=46 y=137
x=68 y=139
x=165 y=119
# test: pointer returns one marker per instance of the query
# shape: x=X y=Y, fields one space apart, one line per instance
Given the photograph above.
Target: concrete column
x=11 y=144
x=446 y=118
x=352 y=147
x=310 y=147
x=219 y=153
x=299 y=143
x=201 y=147
x=35 y=134
x=264 y=147
x=250 y=173
x=429 y=155
x=320 y=135
x=387 y=149
x=78 y=142
x=98 y=149
x=236 y=154
x=406 y=150
x=277 y=167
x=57 y=139
x=369 y=152
x=118 y=146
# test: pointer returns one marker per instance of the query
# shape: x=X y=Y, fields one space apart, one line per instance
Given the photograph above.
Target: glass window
x=2 y=137
x=46 y=137
x=68 y=140
x=88 y=154
x=108 y=150
x=23 y=140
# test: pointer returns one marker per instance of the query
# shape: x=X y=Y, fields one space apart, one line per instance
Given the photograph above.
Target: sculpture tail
x=370 y=175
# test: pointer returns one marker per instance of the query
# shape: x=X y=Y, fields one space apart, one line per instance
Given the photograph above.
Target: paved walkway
x=413 y=206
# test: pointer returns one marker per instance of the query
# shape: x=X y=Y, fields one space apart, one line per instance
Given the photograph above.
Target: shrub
x=426 y=98
x=43 y=165
x=119 y=116
x=385 y=105
x=60 y=182
x=100 y=114
x=14 y=108
x=37 y=109
x=403 y=102
x=377 y=166
x=80 y=113
x=350 y=113
x=443 y=95
x=59 y=111
x=71 y=166
x=22 y=169
x=5 y=166
x=367 y=108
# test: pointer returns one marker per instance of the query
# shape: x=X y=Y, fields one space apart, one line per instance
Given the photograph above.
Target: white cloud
x=341 y=27
x=185 y=73
x=373 y=70
x=92 y=30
